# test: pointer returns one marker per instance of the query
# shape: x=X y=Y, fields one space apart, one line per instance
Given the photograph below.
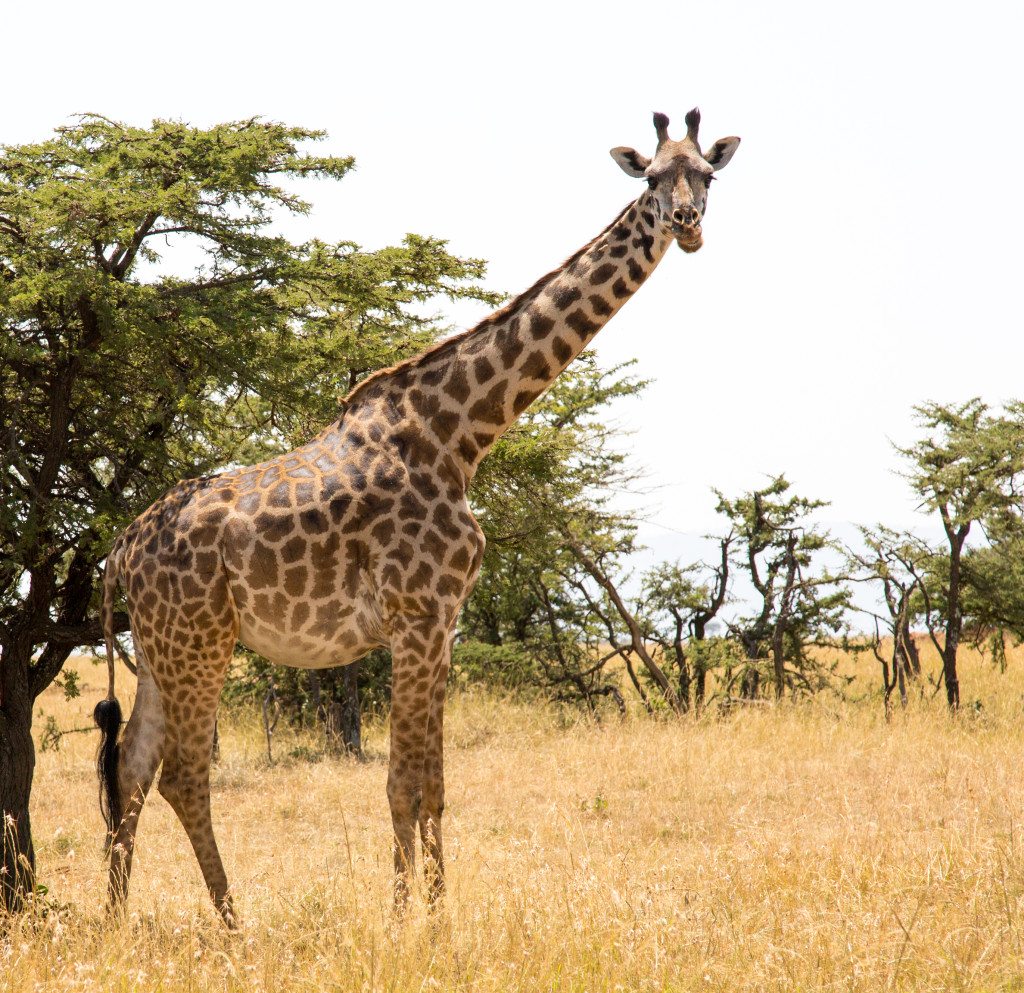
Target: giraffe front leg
x=419 y=652
x=190 y=718
x=432 y=803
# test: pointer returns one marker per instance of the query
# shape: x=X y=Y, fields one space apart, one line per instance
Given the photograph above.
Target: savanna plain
x=806 y=846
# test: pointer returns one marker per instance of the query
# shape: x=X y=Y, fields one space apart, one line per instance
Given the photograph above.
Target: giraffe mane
x=443 y=348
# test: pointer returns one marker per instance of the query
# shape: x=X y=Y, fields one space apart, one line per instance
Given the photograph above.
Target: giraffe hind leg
x=191 y=713
x=139 y=755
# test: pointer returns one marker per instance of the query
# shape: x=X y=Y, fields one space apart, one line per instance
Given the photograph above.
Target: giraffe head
x=679 y=176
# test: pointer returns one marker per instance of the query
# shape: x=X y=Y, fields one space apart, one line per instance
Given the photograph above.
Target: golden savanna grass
x=804 y=847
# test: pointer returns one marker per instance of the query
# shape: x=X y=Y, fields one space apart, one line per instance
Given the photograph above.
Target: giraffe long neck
x=470 y=389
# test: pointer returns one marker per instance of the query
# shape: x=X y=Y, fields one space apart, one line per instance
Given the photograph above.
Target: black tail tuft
x=108 y=718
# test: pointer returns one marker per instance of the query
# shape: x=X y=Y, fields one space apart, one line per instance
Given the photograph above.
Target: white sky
x=862 y=251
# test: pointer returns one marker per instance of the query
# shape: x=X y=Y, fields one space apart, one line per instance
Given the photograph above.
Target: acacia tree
x=123 y=369
x=776 y=545
x=897 y=563
x=968 y=469
x=678 y=603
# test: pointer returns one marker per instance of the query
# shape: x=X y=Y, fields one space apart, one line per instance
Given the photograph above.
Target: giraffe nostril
x=688 y=216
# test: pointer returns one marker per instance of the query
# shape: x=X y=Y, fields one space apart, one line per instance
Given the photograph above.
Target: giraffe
x=361 y=538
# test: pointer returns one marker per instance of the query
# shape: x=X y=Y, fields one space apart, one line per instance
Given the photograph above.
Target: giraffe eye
x=652 y=182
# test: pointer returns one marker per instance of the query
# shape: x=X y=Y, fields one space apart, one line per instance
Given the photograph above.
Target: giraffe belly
x=332 y=634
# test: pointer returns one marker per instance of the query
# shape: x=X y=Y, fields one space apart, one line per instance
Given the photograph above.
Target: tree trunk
x=699 y=690
x=17 y=763
x=779 y=660
x=912 y=654
x=949 y=654
x=699 y=663
x=343 y=717
x=314 y=696
x=954 y=622
x=683 y=664
x=351 y=723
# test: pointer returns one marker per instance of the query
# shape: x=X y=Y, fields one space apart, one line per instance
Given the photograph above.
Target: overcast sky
x=862 y=250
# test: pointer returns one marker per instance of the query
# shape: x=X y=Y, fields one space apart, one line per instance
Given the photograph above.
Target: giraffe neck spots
x=469 y=391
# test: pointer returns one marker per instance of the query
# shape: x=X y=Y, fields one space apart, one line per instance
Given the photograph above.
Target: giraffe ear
x=721 y=151
x=631 y=162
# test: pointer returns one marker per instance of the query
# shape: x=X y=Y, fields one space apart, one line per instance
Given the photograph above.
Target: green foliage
x=968 y=467
x=801 y=604
x=507 y=667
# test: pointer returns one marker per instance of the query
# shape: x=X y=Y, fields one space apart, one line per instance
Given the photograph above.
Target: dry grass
x=798 y=848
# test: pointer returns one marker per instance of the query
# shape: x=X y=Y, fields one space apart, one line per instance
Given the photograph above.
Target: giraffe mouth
x=688 y=239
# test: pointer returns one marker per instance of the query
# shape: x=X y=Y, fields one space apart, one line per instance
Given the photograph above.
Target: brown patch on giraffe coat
x=536 y=367
x=419 y=578
x=483 y=369
x=433 y=545
x=293 y=549
x=280 y=496
x=540 y=325
x=425 y=404
x=409 y=506
x=314 y=521
x=582 y=324
x=646 y=243
x=402 y=553
x=274 y=527
x=491 y=407
x=424 y=485
x=603 y=273
x=599 y=305
x=443 y=521
x=444 y=425
x=565 y=296
x=620 y=289
x=522 y=400
x=562 y=350
x=457 y=384
x=295 y=580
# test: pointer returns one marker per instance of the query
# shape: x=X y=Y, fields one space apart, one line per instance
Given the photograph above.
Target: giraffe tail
x=108 y=711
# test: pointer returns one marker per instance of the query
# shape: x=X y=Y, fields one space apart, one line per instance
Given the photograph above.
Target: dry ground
x=796 y=848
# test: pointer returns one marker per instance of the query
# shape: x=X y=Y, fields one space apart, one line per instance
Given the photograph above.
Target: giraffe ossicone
x=361 y=538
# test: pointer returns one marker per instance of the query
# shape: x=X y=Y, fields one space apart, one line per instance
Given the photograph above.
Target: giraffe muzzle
x=686 y=228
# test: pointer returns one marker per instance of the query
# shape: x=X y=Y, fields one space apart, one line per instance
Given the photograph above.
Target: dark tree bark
x=779 y=631
x=351 y=725
x=17 y=763
x=954 y=608
x=342 y=712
